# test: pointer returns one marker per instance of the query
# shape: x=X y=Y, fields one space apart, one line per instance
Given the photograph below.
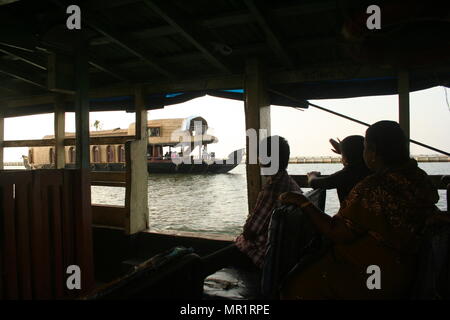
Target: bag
x=291 y=237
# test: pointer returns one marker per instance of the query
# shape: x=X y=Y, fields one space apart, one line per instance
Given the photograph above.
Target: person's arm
x=330 y=182
x=333 y=227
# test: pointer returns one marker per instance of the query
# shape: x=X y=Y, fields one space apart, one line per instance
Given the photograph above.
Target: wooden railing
x=45 y=227
x=130 y=217
x=438 y=181
x=441 y=182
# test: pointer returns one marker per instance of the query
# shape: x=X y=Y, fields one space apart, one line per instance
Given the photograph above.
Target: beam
x=24 y=57
x=2 y=138
x=125 y=44
x=227 y=19
x=3 y=2
x=302 y=9
x=95 y=22
x=59 y=118
x=187 y=30
x=20 y=75
x=403 y=103
x=273 y=38
x=29 y=143
x=307 y=74
x=257 y=116
x=98 y=141
x=82 y=104
x=102 y=66
x=93 y=61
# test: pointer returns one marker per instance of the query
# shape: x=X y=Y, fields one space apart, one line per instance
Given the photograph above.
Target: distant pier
x=420 y=158
x=13 y=164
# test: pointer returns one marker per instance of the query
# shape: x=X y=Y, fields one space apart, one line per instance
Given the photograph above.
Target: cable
x=446 y=97
x=302 y=102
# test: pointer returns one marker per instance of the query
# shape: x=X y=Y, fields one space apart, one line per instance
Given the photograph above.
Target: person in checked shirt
x=249 y=249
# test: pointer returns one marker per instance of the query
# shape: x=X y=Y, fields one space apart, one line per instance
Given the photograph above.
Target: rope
x=352 y=119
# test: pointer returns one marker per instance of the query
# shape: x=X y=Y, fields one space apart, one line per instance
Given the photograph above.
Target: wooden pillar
x=137 y=173
x=257 y=116
x=141 y=113
x=60 y=119
x=82 y=105
x=2 y=138
x=83 y=207
x=403 y=102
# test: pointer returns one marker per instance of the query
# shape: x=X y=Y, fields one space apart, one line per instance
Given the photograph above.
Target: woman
x=378 y=225
x=351 y=149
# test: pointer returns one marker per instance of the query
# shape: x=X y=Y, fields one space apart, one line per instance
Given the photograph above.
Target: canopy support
x=82 y=105
x=137 y=172
x=2 y=138
x=60 y=118
x=403 y=102
x=257 y=116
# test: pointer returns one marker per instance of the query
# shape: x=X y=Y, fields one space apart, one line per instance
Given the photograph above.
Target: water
x=217 y=204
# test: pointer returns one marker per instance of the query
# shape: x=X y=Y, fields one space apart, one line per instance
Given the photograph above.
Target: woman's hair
x=283 y=150
x=389 y=142
x=352 y=147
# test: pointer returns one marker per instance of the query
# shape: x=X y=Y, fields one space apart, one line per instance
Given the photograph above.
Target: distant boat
x=181 y=137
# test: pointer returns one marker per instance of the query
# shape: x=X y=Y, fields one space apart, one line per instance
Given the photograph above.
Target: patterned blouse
x=391 y=206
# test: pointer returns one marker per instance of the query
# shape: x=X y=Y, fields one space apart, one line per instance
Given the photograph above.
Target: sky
x=307 y=131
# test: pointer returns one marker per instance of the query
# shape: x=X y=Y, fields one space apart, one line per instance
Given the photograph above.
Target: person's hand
x=336 y=145
x=294 y=198
x=311 y=175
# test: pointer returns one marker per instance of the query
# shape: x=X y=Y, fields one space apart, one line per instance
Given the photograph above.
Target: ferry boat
x=180 y=137
x=142 y=55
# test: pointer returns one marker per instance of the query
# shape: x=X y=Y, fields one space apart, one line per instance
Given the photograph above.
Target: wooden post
x=136 y=200
x=141 y=113
x=82 y=105
x=2 y=138
x=257 y=116
x=83 y=209
x=403 y=102
x=60 y=119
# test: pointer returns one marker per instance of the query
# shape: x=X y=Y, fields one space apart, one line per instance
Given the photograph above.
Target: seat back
x=45 y=227
x=173 y=274
x=290 y=231
x=432 y=279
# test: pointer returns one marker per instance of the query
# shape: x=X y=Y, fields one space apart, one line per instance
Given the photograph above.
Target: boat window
x=71 y=155
x=51 y=155
x=95 y=154
x=109 y=154
x=30 y=156
x=154 y=132
x=121 y=153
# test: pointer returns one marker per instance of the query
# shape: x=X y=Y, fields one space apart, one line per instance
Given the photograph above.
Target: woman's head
x=385 y=145
x=281 y=152
x=352 y=149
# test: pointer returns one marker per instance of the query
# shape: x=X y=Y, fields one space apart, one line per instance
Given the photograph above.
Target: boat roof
x=180 y=50
x=172 y=132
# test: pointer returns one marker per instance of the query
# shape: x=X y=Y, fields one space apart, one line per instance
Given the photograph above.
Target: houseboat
x=172 y=144
x=137 y=55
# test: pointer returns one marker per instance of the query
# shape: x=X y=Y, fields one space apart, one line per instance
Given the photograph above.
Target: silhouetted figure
x=351 y=149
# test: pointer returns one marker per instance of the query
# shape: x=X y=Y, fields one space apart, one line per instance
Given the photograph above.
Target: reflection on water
x=217 y=203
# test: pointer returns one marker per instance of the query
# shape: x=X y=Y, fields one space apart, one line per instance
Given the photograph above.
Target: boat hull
x=169 y=167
